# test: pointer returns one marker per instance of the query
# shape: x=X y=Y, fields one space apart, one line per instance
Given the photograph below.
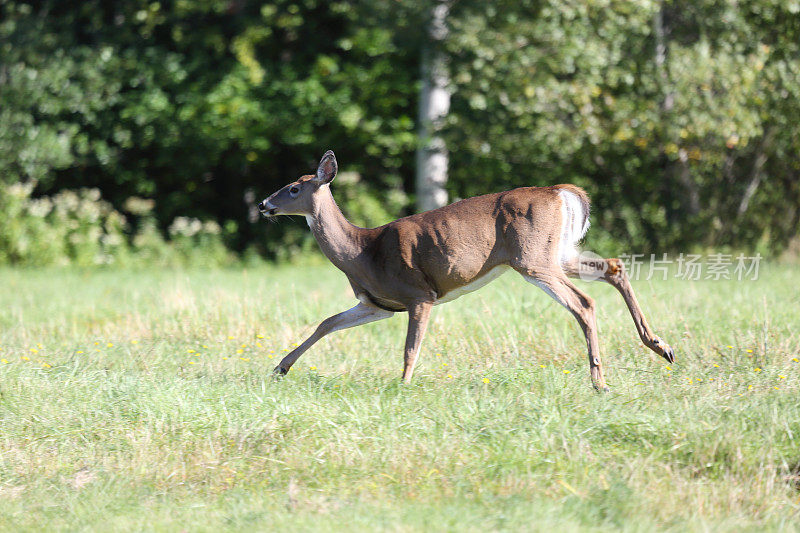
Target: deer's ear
x=327 y=168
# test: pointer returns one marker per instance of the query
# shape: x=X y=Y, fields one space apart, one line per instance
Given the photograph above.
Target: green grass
x=107 y=421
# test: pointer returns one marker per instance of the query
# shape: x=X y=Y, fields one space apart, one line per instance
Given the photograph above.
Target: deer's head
x=297 y=198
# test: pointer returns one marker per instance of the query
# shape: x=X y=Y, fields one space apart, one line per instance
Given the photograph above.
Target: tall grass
x=143 y=400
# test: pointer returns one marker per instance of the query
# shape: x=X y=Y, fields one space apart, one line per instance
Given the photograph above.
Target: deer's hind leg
x=612 y=271
x=555 y=283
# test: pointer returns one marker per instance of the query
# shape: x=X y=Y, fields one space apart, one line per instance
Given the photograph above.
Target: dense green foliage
x=667 y=143
x=79 y=228
x=142 y=401
x=679 y=116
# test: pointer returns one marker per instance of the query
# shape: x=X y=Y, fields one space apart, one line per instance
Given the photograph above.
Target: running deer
x=423 y=260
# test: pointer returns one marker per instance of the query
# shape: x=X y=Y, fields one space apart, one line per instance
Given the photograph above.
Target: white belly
x=474 y=285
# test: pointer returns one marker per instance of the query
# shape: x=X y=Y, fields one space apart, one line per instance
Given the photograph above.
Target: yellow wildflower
x=79 y=352
x=486 y=380
x=566 y=371
x=756 y=369
x=245 y=359
x=4 y=361
x=109 y=345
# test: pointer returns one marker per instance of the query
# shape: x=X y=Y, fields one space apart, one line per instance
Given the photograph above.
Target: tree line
x=680 y=118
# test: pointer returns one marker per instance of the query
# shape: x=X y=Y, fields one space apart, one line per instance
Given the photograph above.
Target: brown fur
x=415 y=261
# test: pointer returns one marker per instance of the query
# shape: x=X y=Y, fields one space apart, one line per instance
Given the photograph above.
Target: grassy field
x=143 y=400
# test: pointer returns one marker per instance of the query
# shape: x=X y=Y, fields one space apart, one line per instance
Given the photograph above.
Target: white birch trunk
x=434 y=104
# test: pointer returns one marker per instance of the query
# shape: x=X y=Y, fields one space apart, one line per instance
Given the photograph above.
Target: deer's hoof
x=279 y=372
x=666 y=351
x=663 y=349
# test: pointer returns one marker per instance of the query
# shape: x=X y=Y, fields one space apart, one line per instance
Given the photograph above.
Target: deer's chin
x=276 y=212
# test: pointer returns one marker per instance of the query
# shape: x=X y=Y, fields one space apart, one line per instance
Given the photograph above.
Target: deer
x=417 y=262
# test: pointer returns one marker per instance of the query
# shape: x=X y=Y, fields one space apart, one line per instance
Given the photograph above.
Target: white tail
x=416 y=262
x=574 y=224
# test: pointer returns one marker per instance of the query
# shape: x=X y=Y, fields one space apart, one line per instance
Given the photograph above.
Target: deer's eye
x=294 y=190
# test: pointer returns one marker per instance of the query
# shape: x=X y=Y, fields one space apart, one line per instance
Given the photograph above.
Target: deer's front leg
x=418 y=315
x=356 y=316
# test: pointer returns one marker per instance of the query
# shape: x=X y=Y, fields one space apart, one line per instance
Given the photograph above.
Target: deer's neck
x=340 y=241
